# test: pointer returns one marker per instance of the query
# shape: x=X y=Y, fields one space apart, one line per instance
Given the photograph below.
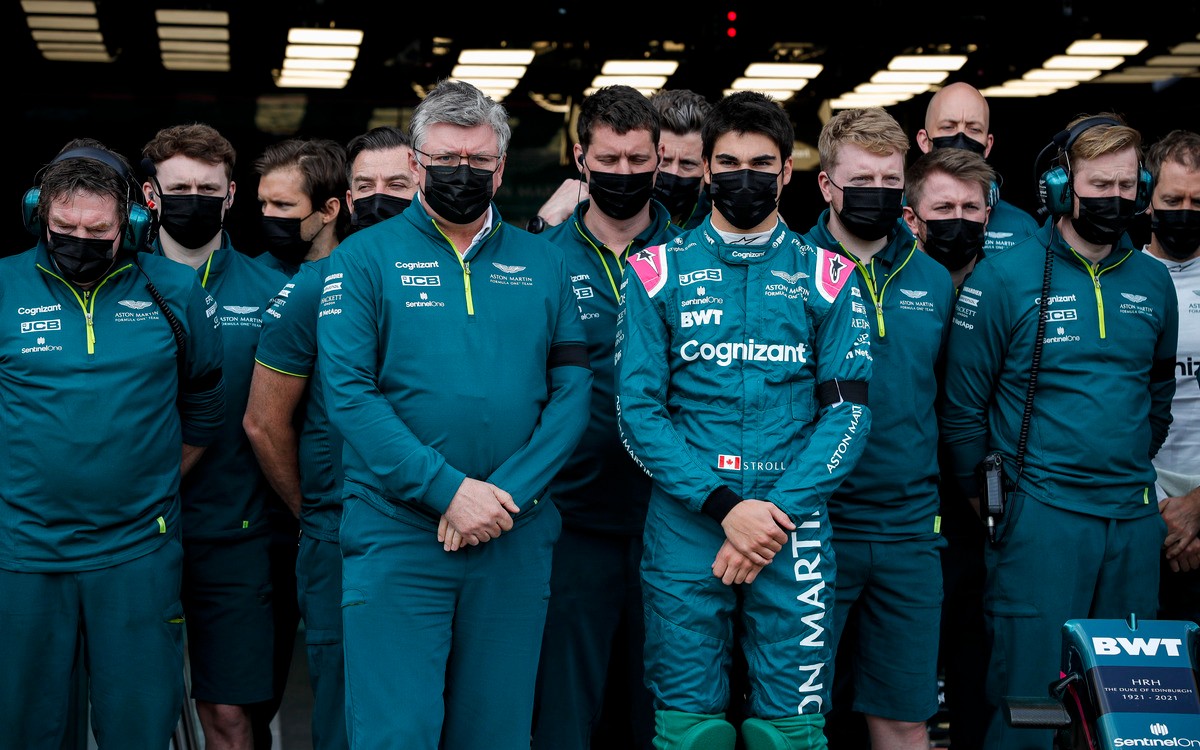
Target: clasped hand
x=478 y=513
x=754 y=531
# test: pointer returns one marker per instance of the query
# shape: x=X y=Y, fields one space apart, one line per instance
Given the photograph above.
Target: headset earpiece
x=29 y=211
x=1054 y=185
x=139 y=222
x=1145 y=189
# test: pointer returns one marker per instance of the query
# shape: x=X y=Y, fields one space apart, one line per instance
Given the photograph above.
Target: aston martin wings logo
x=134 y=304
x=790 y=278
x=240 y=309
x=1134 y=298
x=999 y=235
x=913 y=294
x=509 y=269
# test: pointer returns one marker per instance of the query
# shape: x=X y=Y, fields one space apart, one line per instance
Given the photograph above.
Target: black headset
x=139 y=222
x=1054 y=185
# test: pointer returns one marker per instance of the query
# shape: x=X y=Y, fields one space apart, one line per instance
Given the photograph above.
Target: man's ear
x=910 y=220
x=924 y=142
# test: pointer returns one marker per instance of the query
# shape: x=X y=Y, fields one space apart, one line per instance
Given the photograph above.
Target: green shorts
x=893 y=590
x=230 y=631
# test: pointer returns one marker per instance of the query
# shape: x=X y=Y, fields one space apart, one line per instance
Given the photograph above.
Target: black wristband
x=720 y=501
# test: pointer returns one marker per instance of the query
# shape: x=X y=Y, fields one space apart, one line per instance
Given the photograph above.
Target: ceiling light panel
x=349 y=37
x=198 y=33
x=909 y=76
x=1083 y=62
x=927 y=62
x=637 y=82
x=76 y=23
x=329 y=56
x=193 y=40
x=495 y=57
x=783 y=70
x=1041 y=74
x=58 y=7
x=1125 y=47
x=191 y=17
x=639 y=68
x=1173 y=60
x=757 y=84
x=487 y=71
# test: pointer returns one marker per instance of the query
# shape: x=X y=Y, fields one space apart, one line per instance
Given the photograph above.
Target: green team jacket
x=92 y=411
x=909 y=298
x=1105 y=383
x=601 y=488
x=226 y=494
x=438 y=367
x=288 y=344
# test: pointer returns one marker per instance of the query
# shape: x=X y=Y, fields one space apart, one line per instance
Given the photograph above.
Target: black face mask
x=676 y=193
x=83 y=260
x=870 y=212
x=959 y=140
x=620 y=196
x=1102 y=221
x=745 y=197
x=283 y=239
x=459 y=194
x=377 y=207
x=1178 y=232
x=953 y=242
x=192 y=220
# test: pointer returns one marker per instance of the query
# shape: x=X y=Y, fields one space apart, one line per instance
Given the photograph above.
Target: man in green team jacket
x=455 y=367
x=110 y=386
x=1081 y=532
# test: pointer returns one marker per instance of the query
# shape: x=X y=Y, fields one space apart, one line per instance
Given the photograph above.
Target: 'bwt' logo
x=1159 y=729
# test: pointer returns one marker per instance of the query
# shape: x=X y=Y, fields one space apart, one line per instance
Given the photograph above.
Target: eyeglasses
x=477 y=162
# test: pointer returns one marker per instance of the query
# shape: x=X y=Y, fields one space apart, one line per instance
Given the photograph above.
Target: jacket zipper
x=89 y=296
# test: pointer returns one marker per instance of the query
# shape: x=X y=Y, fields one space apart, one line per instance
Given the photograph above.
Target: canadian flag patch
x=832 y=273
x=733 y=463
x=650 y=265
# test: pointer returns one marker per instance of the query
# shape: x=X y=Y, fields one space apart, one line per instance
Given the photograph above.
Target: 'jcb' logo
x=689 y=319
x=421 y=280
x=1136 y=646
x=1056 y=315
x=704 y=274
x=38 y=326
